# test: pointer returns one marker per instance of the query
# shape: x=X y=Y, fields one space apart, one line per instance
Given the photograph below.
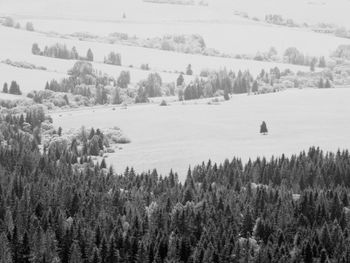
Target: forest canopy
x=59 y=207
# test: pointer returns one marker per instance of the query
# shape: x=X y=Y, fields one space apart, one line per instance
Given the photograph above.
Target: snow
x=16 y=45
x=28 y=79
x=6 y=96
x=217 y=23
x=177 y=136
x=237 y=37
x=309 y=11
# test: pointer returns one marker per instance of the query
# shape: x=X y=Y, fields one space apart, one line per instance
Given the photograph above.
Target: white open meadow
x=218 y=25
x=176 y=136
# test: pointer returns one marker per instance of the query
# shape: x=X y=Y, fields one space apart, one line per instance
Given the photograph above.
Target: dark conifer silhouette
x=263 y=128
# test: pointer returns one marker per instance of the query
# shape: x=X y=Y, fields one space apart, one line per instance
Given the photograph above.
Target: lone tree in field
x=263 y=128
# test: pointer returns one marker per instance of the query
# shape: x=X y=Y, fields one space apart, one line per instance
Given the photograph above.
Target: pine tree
x=322 y=62
x=117 y=98
x=255 y=87
x=74 y=208
x=14 y=88
x=321 y=84
x=226 y=94
x=29 y=26
x=189 y=70
x=90 y=55
x=96 y=256
x=180 y=80
x=312 y=65
x=5 y=251
x=124 y=79
x=325 y=238
x=5 y=88
x=25 y=249
x=263 y=128
x=103 y=164
x=324 y=256
x=327 y=84
x=247 y=224
x=74 y=53
x=308 y=253
x=35 y=49
x=113 y=253
x=104 y=250
x=75 y=253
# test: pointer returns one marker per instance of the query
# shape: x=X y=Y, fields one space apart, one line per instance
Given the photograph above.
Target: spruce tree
x=263 y=128
x=116 y=97
x=90 y=55
x=308 y=253
x=226 y=94
x=180 y=80
x=5 y=251
x=322 y=62
x=321 y=84
x=75 y=253
x=103 y=164
x=248 y=223
x=189 y=70
x=5 y=88
x=327 y=84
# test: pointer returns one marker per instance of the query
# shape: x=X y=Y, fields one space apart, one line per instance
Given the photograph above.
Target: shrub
x=9 y=22
x=163 y=103
x=113 y=59
x=29 y=26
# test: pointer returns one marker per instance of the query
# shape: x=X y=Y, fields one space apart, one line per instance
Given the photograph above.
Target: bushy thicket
x=294 y=56
x=193 y=44
x=223 y=82
x=113 y=59
x=83 y=80
x=22 y=64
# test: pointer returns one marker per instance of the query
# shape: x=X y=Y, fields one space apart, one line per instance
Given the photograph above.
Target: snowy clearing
x=180 y=135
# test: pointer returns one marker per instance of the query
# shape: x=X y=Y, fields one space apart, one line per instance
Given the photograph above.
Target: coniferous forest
x=56 y=208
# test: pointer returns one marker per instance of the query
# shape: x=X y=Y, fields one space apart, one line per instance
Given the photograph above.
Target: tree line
x=61 y=51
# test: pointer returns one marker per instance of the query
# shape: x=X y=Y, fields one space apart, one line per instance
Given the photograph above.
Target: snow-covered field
x=238 y=37
x=28 y=79
x=16 y=45
x=6 y=96
x=217 y=23
x=309 y=11
x=177 y=136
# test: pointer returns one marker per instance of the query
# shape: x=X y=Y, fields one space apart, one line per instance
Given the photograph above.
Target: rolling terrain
x=181 y=135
